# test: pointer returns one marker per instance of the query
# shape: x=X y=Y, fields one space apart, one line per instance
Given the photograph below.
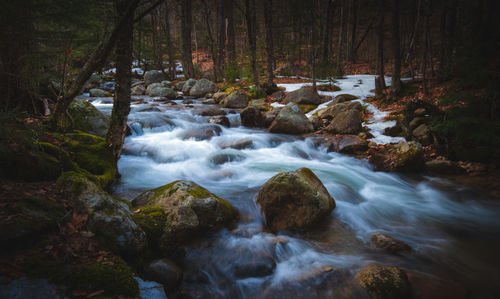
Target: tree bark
x=327 y=42
x=95 y=61
x=186 y=23
x=354 y=24
x=251 y=19
x=231 y=43
x=379 y=79
x=170 y=46
x=268 y=11
x=211 y=42
x=121 y=101
x=396 y=50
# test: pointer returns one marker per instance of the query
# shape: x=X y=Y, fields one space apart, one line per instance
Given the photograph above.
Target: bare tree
x=268 y=11
x=396 y=49
x=186 y=24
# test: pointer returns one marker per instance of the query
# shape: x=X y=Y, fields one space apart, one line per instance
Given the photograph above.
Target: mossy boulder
x=237 y=99
x=188 y=85
x=96 y=92
x=110 y=219
x=260 y=104
x=303 y=96
x=291 y=120
x=389 y=243
x=401 y=157
x=202 y=87
x=91 y=154
x=384 y=282
x=189 y=210
x=346 y=122
x=294 y=200
x=25 y=220
x=87 y=118
x=341 y=98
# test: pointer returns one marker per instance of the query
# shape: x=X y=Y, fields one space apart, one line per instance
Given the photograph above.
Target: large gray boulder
x=291 y=120
x=188 y=85
x=164 y=92
x=202 y=87
x=346 y=122
x=98 y=93
x=188 y=210
x=88 y=119
x=333 y=109
x=110 y=219
x=304 y=95
x=151 y=77
x=294 y=200
x=237 y=99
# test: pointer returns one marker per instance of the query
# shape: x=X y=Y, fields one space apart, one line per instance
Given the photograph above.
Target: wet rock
x=423 y=134
x=110 y=219
x=294 y=200
x=203 y=133
x=219 y=120
x=138 y=90
x=202 y=87
x=347 y=144
x=135 y=128
x=219 y=96
x=88 y=119
x=96 y=92
x=165 y=272
x=389 y=243
x=179 y=85
x=269 y=116
x=188 y=85
x=346 y=122
x=240 y=144
x=213 y=112
x=226 y=156
x=183 y=210
x=260 y=104
x=208 y=102
x=384 y=282
x=303 y=96
x=161 y=91
x=166 y=83
x=441 y=166
x=154 y=76
x=248 y=263
x=252 y=117
x=316 y=122
x=291 y=120
x=402 y=157
x=341 y=98
x=237 y=99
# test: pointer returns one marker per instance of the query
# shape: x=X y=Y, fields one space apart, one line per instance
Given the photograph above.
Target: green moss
x=152 y=220
x=307 y=108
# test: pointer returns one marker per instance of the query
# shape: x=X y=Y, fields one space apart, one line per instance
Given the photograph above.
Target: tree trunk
x=231 y=41
x=327 y=42
x=121 y=101
x=268 y=12
x=379 y=79
x=95 y=61
x=221 y=38
x=354 y=24
x=211 y=41
x=251 y=19
x=186 y=23
x=170 y=46
x=396 y=50
x=340 y=43
x=313 y=46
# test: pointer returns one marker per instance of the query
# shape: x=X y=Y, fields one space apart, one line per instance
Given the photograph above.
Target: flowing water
x=453 y=231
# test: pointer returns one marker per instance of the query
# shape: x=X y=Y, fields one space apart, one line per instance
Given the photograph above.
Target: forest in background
x=52 y=47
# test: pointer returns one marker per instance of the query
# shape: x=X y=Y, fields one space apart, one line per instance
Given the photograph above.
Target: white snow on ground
x=360 y=86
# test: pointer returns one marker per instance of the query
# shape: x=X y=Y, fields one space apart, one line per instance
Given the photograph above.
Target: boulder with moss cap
x=182 y=209
x=110 y=219
x=384 y=282
x=294 y=200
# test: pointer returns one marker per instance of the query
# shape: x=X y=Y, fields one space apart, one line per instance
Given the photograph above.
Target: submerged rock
x=291 y=120
x=220 y=120
x=239 y=144
x=225 y=156
x=188 y=210
x=384 y=282
x=303 y=95
x=248 y=263
x=294 y=200
x=110 y=219
x=389 y=243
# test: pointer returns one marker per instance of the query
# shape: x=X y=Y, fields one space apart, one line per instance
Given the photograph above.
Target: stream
x=453 y=230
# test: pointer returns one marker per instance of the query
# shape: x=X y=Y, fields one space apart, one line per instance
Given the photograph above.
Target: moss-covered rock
x=27 y=219
x=401 y=157
x=384 y=282
x=92 y=154
x=294 y=200
x=109 y=219
x=87 y=118
x=189 y=210
x=152 y=220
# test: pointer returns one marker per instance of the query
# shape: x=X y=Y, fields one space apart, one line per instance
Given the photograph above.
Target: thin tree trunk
x=251 y=19
x=121 y=101
x=379 y=79
x=396 y=50
x=268 y=11
x=221 y=38
x=95 y=61
x=327 y=42
x=231 y=41
x=170 y=46
x=340 y=43
x=354 y=24
x=211 y=41
x=186 y=23
x=313 y=46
